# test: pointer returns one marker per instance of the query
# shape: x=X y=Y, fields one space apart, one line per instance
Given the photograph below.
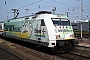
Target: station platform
x=84 y=42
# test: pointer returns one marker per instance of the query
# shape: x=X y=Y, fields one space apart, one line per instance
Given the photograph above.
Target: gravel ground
x=27 y=53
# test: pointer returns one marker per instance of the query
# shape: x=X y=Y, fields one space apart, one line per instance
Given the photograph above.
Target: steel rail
x=11 y=53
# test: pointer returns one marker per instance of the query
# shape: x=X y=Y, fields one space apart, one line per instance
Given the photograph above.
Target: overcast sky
x=62 y=6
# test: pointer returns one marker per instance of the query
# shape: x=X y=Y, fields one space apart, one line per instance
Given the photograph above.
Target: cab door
x=41 y=30
x=38 y=27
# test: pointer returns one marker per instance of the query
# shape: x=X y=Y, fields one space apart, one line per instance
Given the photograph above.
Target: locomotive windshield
x=57 y=22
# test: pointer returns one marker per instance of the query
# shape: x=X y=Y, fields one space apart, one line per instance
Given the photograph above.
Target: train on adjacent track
x=44 y=28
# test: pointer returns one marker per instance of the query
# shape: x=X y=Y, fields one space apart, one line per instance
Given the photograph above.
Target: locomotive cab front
x=63 y=33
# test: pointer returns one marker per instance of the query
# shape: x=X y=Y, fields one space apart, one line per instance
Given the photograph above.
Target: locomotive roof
x=43 y=12
x=21 y=17
x=40 y=12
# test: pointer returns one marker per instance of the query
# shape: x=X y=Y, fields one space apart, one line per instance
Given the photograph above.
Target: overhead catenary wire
x=6 y=2
x=66 y=8
x=63 y=3
x=25 y=5
x=30 y=4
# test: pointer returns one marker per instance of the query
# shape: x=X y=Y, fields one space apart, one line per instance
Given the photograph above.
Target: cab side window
x=0 y=26
x=42 y=23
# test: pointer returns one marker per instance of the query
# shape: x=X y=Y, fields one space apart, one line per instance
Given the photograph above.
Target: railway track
x=72 y=56
x=7 y=55
x=80 y=52
x=82 y=47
